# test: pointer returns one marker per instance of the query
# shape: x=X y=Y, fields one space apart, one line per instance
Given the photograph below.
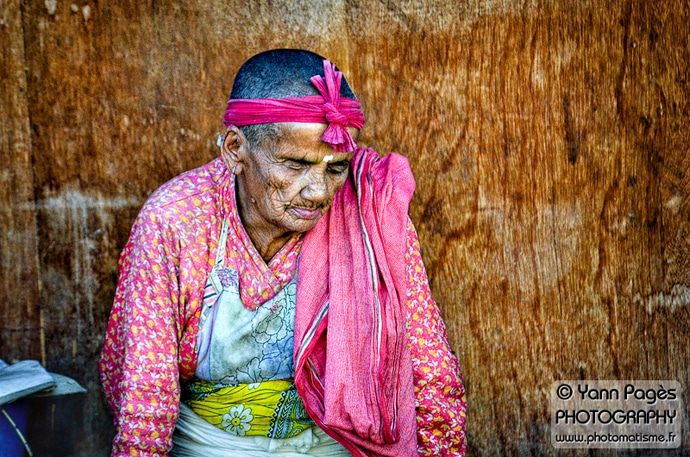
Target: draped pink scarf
x=353 y=367
x=327 y=108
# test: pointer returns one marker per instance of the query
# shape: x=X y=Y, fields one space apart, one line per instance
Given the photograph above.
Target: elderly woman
x=274 y=301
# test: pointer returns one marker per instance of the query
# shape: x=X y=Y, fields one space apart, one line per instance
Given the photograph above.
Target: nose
x=316 y=189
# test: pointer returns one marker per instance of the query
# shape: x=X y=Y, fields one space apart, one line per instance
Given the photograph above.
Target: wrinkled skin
x=285 y=186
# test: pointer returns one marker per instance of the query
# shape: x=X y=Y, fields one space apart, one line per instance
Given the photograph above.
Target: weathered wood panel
x=549 y=140
x=552 y=163
x=20 y=324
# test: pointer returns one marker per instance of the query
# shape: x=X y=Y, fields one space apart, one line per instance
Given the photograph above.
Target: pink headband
x=327 y=108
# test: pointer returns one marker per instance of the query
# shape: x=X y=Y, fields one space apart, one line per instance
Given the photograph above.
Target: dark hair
x=279 y=73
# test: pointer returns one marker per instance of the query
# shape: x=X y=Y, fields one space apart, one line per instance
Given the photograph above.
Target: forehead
x=303 y=141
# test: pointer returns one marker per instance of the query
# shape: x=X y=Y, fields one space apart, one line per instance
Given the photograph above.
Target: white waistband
x=195 y=437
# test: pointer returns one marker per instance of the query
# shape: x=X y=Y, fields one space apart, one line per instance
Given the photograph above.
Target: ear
x=234 y=148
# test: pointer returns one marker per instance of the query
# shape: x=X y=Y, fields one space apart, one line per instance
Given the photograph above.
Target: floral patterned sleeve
x=138 y=365
x=440 y=394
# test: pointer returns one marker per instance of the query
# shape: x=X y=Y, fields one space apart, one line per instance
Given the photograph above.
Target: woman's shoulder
x=189 y=183
x=192 y=194
x=390 y=175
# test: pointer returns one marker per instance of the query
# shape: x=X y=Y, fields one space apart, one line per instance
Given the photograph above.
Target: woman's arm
x=138 y=365
x=440 y=394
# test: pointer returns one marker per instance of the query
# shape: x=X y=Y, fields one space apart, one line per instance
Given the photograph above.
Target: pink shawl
x=352 y=363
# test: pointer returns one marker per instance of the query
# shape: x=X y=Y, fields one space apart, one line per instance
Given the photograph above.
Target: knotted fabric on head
x=327 y=108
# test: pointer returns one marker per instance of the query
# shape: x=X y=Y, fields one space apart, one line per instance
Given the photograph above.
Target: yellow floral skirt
x=272 y=408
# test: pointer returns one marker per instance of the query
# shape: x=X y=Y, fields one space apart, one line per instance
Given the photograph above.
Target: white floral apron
x=245 y=366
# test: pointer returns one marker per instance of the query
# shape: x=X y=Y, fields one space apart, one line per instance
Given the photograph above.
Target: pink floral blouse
x=150 y=344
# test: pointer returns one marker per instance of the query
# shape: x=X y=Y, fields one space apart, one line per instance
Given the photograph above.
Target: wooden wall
x=550 y=140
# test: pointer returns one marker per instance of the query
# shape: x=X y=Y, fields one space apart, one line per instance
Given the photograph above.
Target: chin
x=303 y=225
x=292 y=222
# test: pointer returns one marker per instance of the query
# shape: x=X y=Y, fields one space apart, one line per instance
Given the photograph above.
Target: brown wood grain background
x=550 y=140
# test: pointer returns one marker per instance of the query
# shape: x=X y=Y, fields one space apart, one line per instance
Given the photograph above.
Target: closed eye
x=297 y=164
x=338 y=168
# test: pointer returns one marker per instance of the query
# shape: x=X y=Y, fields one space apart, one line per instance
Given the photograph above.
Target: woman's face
x=288 y=184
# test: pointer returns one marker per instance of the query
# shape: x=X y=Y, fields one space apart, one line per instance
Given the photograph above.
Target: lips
x=308 y=214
